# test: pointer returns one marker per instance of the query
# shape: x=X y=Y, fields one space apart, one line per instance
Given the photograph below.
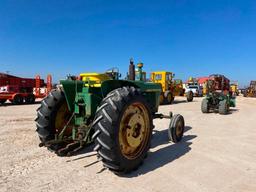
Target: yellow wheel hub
x=134 y=130
x=62 y=118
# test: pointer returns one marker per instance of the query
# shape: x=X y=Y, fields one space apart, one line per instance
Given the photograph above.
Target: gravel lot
x=217 y=153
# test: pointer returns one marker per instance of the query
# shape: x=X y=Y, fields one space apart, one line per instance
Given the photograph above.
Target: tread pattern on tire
x=46 y=114
x=166 y=93
x=204 y=106
x=223 y=109
x=171 y=131
x=190 y=96
x=106 y=126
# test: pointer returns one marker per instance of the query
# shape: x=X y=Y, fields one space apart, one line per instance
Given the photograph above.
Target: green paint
x=84 y=98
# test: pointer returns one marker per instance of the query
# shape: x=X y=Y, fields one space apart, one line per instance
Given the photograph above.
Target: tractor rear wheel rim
x=62 y=118
x=134 y=130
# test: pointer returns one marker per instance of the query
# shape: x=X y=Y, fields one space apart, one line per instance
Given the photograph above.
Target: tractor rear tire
x=190 y=96
x=47 y=113
x=123 y=128
x=169 y=98
x=223 y=107
x=176 y=128
x=161 y=99
x=205 y=106
x=2 y=101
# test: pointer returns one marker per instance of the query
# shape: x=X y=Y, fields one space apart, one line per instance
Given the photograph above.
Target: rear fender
x=71 y=88
x=151 y=91
x=110 y=85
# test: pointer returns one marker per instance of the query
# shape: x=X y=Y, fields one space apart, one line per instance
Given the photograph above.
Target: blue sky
x=188 y=37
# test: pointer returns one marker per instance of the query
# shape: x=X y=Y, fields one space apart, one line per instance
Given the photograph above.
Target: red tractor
x=22 y=90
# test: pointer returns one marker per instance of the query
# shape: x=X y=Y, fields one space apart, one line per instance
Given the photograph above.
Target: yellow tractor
x=178 y=87
x=165 y=78
x=251 y=90
x=234 y=88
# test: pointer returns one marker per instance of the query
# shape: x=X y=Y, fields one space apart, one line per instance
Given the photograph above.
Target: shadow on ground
x=155 y=159
x=86 y=151
x=178 y=101
x=231 y=111
x=161 y=137
x=11 y=104
x=163 y=155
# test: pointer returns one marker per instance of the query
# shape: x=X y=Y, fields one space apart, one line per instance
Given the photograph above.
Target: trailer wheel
x=205 y=106
x=190 y=96
x=123 y=127
x=30 y=99
x=223 y=107
x=176 y=128
x=52 y=116
x=18 y=100
x=2 y=101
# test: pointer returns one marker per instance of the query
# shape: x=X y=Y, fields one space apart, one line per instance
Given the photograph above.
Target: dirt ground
x=217 y=153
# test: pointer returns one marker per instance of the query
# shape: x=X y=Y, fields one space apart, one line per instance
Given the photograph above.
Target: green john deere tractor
x=218 y=95
x=117 y=115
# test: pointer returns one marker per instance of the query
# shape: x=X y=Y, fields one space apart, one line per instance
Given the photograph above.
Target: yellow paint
x=97 y=78
x=134 y=130
x=162 y=77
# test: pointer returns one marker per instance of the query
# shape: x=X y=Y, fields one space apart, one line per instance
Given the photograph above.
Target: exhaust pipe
x=131 y=70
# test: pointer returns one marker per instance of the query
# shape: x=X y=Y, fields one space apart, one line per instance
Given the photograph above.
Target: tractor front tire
x=176 y=128
x=169 y=98
x=223 y=107
x=205 y=106
x=123 y=128
x=53 y=107
x=190 y=96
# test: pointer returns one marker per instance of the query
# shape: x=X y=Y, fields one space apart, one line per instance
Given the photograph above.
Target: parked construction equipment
x=234 y=88
x=218 y=95
x=165 y=78
x=251 y=90
x=22 y=90
x=116 y=114
x=178 y=87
